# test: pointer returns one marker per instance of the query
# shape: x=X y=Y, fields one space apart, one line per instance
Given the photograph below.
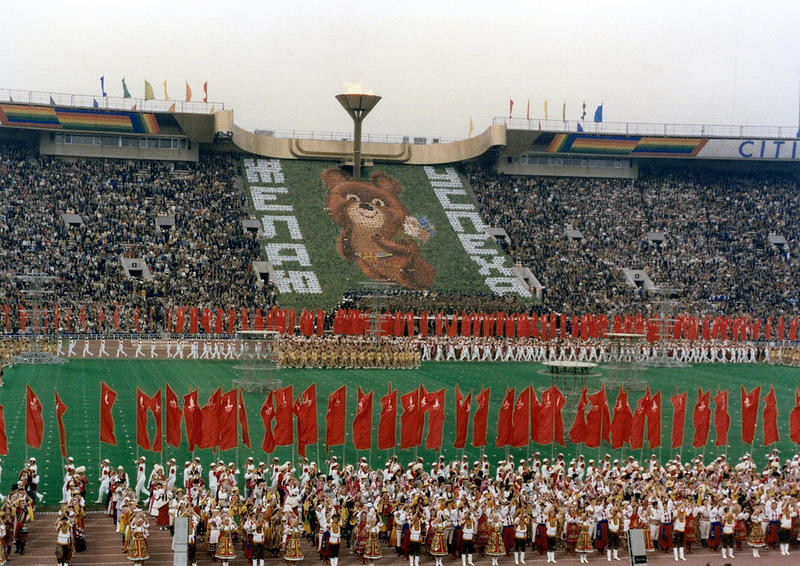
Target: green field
x=78 y=383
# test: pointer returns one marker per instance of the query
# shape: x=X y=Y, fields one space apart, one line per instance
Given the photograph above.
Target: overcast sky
x=279 y=64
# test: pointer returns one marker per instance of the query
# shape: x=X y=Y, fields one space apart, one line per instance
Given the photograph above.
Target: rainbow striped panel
x=607 y=145
x=670 y=146
x=92 y=120
x=28 y=116
x=558 y=144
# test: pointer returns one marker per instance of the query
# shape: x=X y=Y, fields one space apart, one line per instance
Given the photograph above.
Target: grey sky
x=279 y=64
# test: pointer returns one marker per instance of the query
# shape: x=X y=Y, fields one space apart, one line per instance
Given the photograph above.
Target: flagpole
x=161 y=424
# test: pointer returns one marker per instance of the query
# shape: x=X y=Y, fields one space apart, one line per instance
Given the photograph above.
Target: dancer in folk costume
x=291 y=548
x=728 y=526
x=584 y=544
x=614 y=530
x=755 y=539
x=520 y=536
x=334 y=541
x=468 y=535
x=372 y=550
x=416 y=535
x=63 y=542
x=495 y=547
x=552 y=525
x=136 y=540
x=225 y=551
x=679 y=528
x=438 y=547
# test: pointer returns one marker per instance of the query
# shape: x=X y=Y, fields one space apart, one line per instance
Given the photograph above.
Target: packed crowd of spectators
x=204 y=260
x=448 y=302
x=716 y=257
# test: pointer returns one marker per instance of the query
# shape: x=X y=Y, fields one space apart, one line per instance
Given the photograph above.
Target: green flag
x=564 y=112
x=125 y=92
x=148 y=91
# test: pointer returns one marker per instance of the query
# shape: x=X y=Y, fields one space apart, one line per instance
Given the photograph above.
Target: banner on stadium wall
x=411 y=226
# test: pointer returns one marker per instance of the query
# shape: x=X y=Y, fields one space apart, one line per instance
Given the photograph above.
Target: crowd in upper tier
x=716 y=256
x=205 y=259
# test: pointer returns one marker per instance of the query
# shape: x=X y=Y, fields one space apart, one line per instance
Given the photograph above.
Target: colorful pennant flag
x=148 y=91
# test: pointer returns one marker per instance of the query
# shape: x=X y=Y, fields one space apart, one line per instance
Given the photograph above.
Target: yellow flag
x=545 y=110
x=148 y=91
x=469 y=135
x=564 y=112
x=188 y=92
x=166 y=96
x=212 y=109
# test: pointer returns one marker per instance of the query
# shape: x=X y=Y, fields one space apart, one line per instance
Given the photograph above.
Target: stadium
x=543 y=302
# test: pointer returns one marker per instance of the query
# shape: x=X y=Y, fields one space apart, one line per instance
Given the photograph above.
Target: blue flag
x=798 y=133
x=580 y=128
x=103 y=85
x=94 y=103
x=598 y=114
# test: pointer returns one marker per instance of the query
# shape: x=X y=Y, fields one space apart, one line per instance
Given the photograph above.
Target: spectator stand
x=258 y=362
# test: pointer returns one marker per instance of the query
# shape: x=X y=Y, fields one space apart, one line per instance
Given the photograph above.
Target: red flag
x=243 y=421
x=34 y=424
x=173 y=418
x=678 y=418
x=654 y=421
x=205 y=91
x=194 y=420
x=335 y=418
x=3 y=437
x=701 y=419
x=722 y=421
x=794 y=418
x=462 y=418
x=267 y=414
x=598 y=420
x=639 y=418
x=577 y=434
x=61 y=408
x=210 y=416
x=228 y=422
x=521 y=419
x=435 y=407
x=480 y=420
x=362 y=423
x=770 y=418
x=142 y=404
x=505 y=419
x=387 y=423
x=306 y=410
x=284 y=417
x=411 y=420
x=536 y=410
x=155 y=407
x=622 y=422
x=750 y=413
x=551 y=426
x=107 y=398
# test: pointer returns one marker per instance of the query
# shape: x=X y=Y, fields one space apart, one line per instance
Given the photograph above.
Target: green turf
x=78 y=383
x=306 y=193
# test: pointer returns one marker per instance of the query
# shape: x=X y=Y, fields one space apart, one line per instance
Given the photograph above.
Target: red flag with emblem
x=505 y=418
x=61 y=408
x=362 y=423
x=701 y=419
x=211 y=421
x=411 y=420
x=462 y=417
x=536 y=414
x=678 y=418
x=306 y=411
x=267 y=414
x=722 y=421
x=142 y=404
x=173 y=418
x=335 y=418
x=435 y=407
x=3 y=437
x=107 y=398
x=193 y=419
x=284 y=417
x=577 y=434
x=551 y=425
x=228 y=422
x=521 y=419
x=480 y=420
x=794 y=418
x=654 y=421
x=622 y=422
x=598 y=420
x=638 y=422
x=750 y=413
x=387 y=423
x=770 y=418
x=155 y=407
x=243 y=421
